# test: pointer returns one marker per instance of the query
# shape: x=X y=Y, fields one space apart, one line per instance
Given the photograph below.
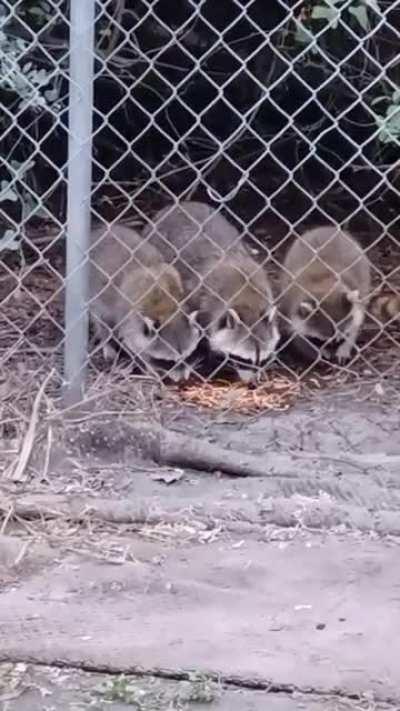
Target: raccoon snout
x=246 y=363
x=248 y=375
x=178 y=373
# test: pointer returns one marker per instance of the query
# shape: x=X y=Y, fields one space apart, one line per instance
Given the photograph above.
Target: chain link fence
x=222 y=135
x=199 y=347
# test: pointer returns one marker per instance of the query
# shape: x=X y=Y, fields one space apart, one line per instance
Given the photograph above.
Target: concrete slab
x=318 y=613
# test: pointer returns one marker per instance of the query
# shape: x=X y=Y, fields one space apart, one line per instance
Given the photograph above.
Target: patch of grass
x=173 y=696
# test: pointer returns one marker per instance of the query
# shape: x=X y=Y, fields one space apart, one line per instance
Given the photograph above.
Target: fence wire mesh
x=236 y=444
x=223 y=135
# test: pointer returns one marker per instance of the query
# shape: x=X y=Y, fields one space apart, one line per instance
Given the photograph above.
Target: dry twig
x=18 y=473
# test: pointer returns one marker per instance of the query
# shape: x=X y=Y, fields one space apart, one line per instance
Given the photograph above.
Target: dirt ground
x=204 y=590
x=129 y=584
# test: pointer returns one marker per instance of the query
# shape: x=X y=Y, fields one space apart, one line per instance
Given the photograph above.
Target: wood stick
x=167 y=447
x=18 y=473
x=180 y=450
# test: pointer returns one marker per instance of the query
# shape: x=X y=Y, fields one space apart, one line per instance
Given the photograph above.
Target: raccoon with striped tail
x=135 y=298
x=324 y=291
x=222 y=281
x=384 y=307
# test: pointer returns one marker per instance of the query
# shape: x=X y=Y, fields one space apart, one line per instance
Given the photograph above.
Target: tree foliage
x=272 y=97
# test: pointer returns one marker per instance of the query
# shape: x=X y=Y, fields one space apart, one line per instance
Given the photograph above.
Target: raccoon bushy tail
x=385 y=306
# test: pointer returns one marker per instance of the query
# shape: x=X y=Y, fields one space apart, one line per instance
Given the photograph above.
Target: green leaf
x=392 y=111
x=7 y=193
x=9 y=241
x=389 y=125
x=360 y=13
x=373 y=4
x=378 y=99
x=302 y=34
x=330 y=14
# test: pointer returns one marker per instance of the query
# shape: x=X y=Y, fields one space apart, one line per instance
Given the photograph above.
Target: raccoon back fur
x=325 y=284
x=136 y=296
x=222 y=282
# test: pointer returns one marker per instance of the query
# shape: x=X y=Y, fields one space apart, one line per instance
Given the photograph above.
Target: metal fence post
x=82 y=21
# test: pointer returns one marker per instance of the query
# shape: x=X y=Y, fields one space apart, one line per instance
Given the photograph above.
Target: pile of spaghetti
x=276 y=393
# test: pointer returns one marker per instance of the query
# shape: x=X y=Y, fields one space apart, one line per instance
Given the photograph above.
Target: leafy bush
x=302 y=94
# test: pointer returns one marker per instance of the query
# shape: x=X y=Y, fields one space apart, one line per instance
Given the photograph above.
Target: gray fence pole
x=79 y=190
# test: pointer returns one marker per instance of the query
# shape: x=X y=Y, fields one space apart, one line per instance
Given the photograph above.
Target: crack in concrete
x=238 y=682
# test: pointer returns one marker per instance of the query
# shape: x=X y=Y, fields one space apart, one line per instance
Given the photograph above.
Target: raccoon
x=385 y=307
x=325 y=285
x=135 y=297
x=223 y=283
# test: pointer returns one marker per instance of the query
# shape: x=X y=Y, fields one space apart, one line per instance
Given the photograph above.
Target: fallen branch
x=18 y=472
x=144 y=513
x=166 y=447
x=13 y=550
x=74 y=508
x=180 y=450
x=241 y=518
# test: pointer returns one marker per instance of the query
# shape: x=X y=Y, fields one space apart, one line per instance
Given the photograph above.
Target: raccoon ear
x=306 y=308
x=272 y=314
x=149 y=327
x=229 y=319
x=353 y=296
x=173 y=279
x=194 y=316
x=201 y=317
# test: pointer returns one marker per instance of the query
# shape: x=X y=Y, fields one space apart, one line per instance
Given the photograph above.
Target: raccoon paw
x=343 y=353
x=247 y=375
x=327 y=353
x=181 y=372
x=178 y=374
x=109 y=352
